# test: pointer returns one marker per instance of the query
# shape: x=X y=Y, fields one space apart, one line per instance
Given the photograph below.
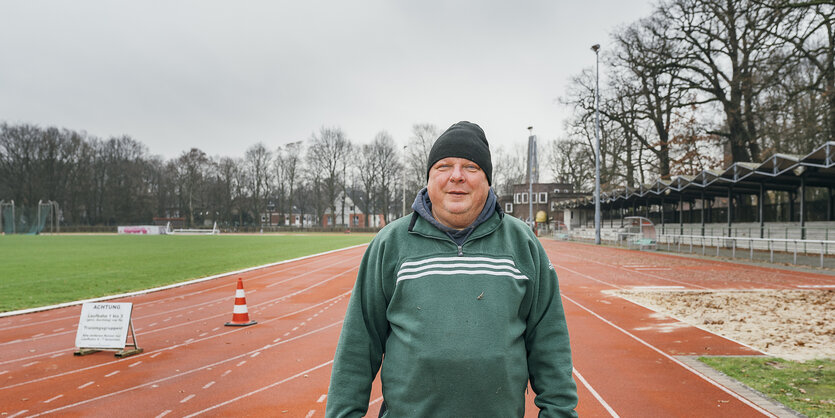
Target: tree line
x=117 y=181
x=700 y=84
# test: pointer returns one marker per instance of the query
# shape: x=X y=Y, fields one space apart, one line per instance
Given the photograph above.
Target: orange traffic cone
x=240 y=315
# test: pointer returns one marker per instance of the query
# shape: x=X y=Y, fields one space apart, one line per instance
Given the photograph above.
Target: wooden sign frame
x=106 y=326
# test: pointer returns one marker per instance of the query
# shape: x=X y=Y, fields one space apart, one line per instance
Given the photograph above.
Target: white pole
x=596 y=48
x=530 y=178
x=403 y=180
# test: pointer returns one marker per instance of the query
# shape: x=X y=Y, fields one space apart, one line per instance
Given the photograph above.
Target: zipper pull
x=460 y=251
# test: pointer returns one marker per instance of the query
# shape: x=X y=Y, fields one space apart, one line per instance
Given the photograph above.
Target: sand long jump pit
x=790 y=324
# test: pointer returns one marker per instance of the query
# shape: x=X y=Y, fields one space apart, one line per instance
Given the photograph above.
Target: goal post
x=7 y=218
x=29 y=220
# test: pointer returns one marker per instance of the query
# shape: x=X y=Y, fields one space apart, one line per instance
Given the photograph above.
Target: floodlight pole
x=530 y=179
x=403 y=180
x=596 y=49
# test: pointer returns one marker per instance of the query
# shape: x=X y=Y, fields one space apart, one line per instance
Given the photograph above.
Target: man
x=460 y=299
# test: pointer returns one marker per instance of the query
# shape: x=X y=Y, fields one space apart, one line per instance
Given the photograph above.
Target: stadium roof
x=782 y=172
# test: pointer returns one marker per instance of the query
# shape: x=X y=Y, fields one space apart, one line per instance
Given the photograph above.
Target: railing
x=783 y=249
x=823 y=232
x=808 y=252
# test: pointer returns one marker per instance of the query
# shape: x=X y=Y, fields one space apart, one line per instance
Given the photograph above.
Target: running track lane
x=194 y=365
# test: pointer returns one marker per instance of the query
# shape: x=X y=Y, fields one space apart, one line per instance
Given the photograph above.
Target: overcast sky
x=222 y=76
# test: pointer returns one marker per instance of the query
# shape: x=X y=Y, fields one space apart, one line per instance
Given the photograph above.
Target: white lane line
x=226 y=372
x=175 y=285
x=671 y=358
x=310 y=413
x=156 y=354
x=375 y=401
x=150 y=325
x=294 y=329
x=187 y=398
x=321 y=398
x=164 y=413
x=271 y=385
x=19 y=413
x=255 y=354
x=136 y=364
x=58 y=330
x=299 y=275
x=241 y=363
x=618 y=268
x=816 y=286
x=112 y=374
x=87 y=384
x=277 y=340
x=595 y=394
x=38 y=335
x=208 y=385
x=53 y=398
x=56 y=355
x=4 y=372
x=656 y=287
x=31 y=364
x=177 y=346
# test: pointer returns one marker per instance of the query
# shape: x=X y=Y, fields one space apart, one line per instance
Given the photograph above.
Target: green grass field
x=808 y=387
x=49 y=269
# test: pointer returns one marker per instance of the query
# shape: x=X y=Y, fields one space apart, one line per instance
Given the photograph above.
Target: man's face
x=458 y=189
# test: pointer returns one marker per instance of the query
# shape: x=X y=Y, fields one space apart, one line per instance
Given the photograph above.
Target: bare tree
x=257 y=160
x=647 y=92
x=811 y=32
x=569 y=161
x=366 y=196
x=191 y=170
x=727 y=54
x=325 y=158
x=416 y=155
x=508 y=168
x=387 y=167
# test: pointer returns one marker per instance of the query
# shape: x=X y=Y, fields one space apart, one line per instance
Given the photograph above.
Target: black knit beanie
x=463 y=140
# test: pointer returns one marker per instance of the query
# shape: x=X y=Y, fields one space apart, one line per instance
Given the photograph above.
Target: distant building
x=544 y=198
x=354 y=217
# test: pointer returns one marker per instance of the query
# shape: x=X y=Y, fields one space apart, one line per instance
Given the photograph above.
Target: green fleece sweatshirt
x=462 y=329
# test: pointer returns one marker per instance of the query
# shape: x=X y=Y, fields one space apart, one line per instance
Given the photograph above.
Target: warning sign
x=103 y=325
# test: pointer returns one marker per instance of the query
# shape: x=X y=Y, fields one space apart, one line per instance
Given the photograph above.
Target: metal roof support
x=761 y=204
x=829 y=203
x=662 y=215
x=646 y=209
x=681 y=214
x=730 y=209
x=703 y=212
x=802 y=207
x=710 y=210
x=621 y=214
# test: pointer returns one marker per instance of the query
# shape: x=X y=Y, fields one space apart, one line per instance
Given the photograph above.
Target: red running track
x=624 y=355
